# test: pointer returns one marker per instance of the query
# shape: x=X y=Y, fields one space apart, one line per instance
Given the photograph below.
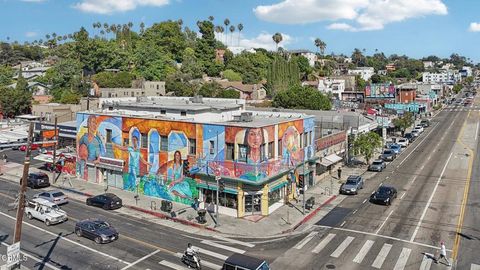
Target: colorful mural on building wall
x=165 y=158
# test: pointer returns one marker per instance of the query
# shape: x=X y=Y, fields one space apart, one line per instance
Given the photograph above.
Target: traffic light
x=186 y=168
x=301 y=182
x=222 y=186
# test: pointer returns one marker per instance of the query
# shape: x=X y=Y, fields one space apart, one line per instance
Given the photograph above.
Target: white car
x=45 y=211
x=402 y=142
x=419 y=128
x=415 y=132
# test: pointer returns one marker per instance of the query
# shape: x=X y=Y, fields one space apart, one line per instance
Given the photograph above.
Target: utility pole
x=304 y=180
x=23 y=187
x=217 y=177
x=54 y=165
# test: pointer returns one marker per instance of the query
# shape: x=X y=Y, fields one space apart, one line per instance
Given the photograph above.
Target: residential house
x=390 y=67
x=364 y=72
x=37 y=88
x=138 y=89
x=445 y=76
x=428 y=64
x=312 y=57
x=382 y=72
x=334 y=86
x=247 y=91
x=466 y=72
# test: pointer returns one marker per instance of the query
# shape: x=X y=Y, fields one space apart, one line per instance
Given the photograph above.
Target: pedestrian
x=443 y=254
x=4 y=158
x=339 y=172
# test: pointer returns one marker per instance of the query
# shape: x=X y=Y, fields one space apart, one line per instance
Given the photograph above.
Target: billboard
x=380 y=90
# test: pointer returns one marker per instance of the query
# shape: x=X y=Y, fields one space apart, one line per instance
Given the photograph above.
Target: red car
x=24 y=147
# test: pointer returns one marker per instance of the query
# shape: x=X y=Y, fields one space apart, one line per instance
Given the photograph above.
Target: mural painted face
x=92 y=125
x=178 y=157
x=255 y=138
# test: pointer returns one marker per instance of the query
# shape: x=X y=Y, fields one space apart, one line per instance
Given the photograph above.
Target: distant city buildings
x=364 y=72
x=445 y=76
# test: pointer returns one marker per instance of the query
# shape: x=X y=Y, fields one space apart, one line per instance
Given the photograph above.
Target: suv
x=353 y=184
x=45 y=211
x=38 y=180
x=377 y=166
x=107 y=201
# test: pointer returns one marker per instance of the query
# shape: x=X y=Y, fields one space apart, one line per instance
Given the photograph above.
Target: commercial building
x=446 y=76
x=258 y=158
x=139 y=89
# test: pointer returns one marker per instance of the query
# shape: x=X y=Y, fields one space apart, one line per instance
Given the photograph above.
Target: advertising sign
x=380 y=90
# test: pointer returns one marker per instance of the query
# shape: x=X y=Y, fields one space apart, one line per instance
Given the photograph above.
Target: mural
x=165 y=158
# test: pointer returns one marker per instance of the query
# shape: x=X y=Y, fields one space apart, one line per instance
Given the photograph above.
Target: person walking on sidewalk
x=4 y=158
x=339 y=172
x=443 y=254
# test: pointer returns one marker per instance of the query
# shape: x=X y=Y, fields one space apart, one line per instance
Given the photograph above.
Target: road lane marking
x=354 y=211
x=232 y=249
x=342 y=247
x=475 y=267
x=430 y=199
x=382 y=255
x=203 y=262
x=211 y=253
x=343 y=223
x=172 y=265
x=476 y=131
x=363 y=251
x=364 y=201
x=403 y=195
x=305 y=240
x=385 y=221
x=40 y=262
x=413 y=179
x=70 y=241
x=141 y=259
x=426 y=261
x=402 y=260
x=234 y=241
x=423 y=166
x=323 y=243
x=433 y=127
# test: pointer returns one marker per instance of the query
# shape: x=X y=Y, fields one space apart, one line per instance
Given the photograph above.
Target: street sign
x=13 y=254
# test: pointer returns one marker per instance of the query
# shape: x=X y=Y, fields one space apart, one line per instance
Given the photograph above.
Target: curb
x=311 y=215
x=150 y=212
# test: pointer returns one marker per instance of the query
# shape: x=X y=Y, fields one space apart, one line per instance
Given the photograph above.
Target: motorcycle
x=190 y=261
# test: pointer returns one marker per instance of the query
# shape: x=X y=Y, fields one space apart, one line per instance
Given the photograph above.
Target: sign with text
x=330 y=140
x=13 y=254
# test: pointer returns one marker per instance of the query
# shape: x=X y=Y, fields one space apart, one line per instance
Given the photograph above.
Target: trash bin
x=166 y=206
x=309 y=203
x=201 y=216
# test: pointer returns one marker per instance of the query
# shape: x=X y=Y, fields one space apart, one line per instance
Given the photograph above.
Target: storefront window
x=224 y=199
x=274 y=196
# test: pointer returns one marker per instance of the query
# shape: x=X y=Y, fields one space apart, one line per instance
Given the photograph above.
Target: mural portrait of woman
x=178 y=186
x=291 y=146
x=254 y=139
x=92 y=141
x=134 y=159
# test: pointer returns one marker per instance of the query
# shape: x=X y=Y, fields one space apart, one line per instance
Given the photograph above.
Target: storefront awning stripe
x=210 y=187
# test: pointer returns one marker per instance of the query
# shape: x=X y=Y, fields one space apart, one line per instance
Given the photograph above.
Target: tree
x=282 y=75
x=22 y=83
x=277 y=38
x=358 y=58
x=302 y=97
x=360 y=83
x=210 y=89
x=121 y=79
x=190 y=65
x=228 y=93
x=211 y=18
x=240 y=28
x=232 y=76
x=304 y=66
x=15 y=101
x=320 y=45
x=376 y=78
x=142 y=28
x=6 y=75
x=167 y=36
x=232 y=29
x=404 y=122
x=457 y=88
x=205 y=48
x=366 y=144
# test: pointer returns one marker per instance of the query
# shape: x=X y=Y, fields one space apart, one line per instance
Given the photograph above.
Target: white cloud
x=474 y=27
x=263 y=40
x=366 y=14
x=112 y=6
x=31 y=34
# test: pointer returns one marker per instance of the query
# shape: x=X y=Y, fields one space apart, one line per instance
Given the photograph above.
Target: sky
x=416 y=28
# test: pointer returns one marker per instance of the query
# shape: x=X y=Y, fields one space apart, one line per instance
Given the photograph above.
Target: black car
x=97 y=230
x=409 y=137
x=384 y=195
x=107 y=201
x=241 y=261
x=38 y=180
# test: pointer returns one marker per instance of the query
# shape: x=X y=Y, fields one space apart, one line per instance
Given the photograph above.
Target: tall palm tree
x=65 y=37
x=232 y=29
x=222 y=30
x=226 y=22
x=94 y=25
x=54 y=35
x=217 y=30
x=320 y=45
x=70 y=36
x=105 y=26
x=277 y=38
x=130 y=25
x=47 y=36
x=240 y=28
x=180 y=22
x=211 y=18
x=102 y=32
x=142 y=27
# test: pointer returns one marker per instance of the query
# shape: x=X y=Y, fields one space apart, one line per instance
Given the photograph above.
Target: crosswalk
x=210 y=259
x=368 y=252
x=461 y=108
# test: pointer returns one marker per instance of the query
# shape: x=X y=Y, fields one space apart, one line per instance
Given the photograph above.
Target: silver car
x=55 y=196
x=352 y=185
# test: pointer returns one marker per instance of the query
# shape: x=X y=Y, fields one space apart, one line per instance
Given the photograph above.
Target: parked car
x=45 y=211
x=54 y=196
x=38 y=180
x=377 y=165
x=244 y=262
x=97 y=230
x=388 y=155
x=384 y=194
x=397 y=148
x=33 y=147
x=419 y=128
x=107 y=201
x=425 y=123
x=410 y=137
x=403 y=142
x=352 y=185
x=415 y=133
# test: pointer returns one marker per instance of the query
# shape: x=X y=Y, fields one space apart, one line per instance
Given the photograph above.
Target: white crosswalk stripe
x=342 y=247
x=363 y=251
x=402 y=260
x=203 y=262
x=172 y=265
x=305 y=240
x=232 y=249
x=234 y=241
x=211 y=253
x=382 y=256
x=426 y=262
x=475 y=267
x=323 y=243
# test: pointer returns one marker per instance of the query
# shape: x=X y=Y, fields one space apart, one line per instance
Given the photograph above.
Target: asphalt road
x=430 y=176
x=141 y=245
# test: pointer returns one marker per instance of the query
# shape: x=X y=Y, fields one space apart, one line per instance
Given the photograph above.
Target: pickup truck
x=45 y=211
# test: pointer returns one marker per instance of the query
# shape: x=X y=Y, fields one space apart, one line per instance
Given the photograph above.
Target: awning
x=212 y=187
x=330 y=159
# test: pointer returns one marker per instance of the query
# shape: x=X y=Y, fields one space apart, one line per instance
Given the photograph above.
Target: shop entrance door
x=253 y=204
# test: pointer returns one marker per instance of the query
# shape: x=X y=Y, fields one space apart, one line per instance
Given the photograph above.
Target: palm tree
x=54 y=35
x=142 y=27
x=65 y=37
x=70 y=36
x=277 y=38
x=59 y=38
x=226 y=22
x=211 y=18
x=130 y=25
x=217 y=29
x=240 y=28
x=47 y=36
x=180 y=22
x=320 y=45
x=232 y=29
x=222 y=30
x=102 y=32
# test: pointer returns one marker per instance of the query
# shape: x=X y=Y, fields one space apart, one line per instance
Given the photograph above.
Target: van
x=244 y=262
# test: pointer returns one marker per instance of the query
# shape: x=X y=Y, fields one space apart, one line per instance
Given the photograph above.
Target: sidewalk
x=286 y=219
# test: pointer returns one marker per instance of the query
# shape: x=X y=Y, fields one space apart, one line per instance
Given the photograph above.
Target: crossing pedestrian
x=443 y=254
x=339 y=172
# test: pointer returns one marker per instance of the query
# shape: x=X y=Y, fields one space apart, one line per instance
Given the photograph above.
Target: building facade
x=364 y=72
x=256 y=156
x=446 y=76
